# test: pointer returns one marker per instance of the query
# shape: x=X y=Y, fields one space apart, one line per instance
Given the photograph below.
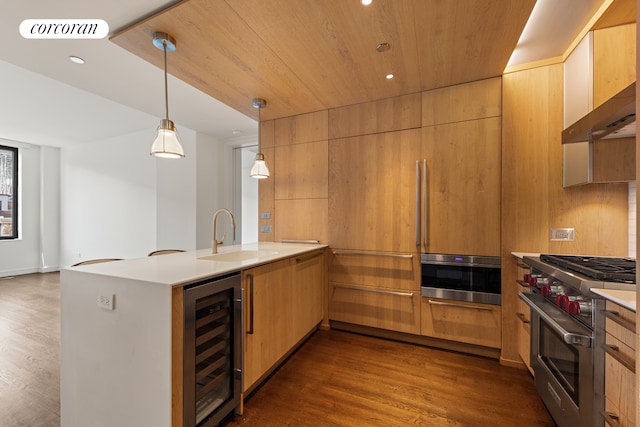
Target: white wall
x=108 y=199
x=49 y=208
x=211 y=193
x=176 y=197
x=111 y=199
x=120 y=202
x=24 y=255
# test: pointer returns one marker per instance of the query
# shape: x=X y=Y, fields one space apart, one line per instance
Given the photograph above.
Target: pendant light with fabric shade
x=259 y=170
x=167 y=142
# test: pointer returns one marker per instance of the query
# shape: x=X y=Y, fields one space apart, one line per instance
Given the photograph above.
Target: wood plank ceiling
x=310 y=55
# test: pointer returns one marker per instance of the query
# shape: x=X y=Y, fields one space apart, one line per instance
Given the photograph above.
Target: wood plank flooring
x=30 y=350
x=335 y=379
x=344 y=379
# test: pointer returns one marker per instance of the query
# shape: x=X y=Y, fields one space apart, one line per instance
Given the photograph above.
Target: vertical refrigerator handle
x=418 y=220
x=425 y=205
x=422 y=204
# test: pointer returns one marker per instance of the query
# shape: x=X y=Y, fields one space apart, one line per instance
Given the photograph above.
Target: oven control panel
x=565 y=297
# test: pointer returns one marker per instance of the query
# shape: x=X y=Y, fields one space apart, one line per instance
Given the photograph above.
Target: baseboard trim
x=492 y=353
x=19 y=272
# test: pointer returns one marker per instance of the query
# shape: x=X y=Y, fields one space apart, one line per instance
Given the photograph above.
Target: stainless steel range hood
x=616 y=118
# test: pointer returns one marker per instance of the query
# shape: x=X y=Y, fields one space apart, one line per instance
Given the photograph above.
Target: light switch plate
x=561 y=234
x=265 y=215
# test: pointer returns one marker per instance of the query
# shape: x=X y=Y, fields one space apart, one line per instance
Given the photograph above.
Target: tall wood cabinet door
x=463 y=187
x=268 y=301
x=309 y=290
x=372 y=191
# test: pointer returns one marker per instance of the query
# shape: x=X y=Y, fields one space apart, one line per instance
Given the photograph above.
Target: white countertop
x=523 y=254
x=184 y=267
x=626 y=299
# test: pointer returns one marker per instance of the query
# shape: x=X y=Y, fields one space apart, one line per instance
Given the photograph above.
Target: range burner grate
x=598 y=268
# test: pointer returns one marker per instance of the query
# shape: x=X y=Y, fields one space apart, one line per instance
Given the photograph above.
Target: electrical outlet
x=561 y=234
x=265 y=215
x=106 y=301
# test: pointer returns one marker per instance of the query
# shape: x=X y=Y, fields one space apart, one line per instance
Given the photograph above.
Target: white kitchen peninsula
x=116 y=364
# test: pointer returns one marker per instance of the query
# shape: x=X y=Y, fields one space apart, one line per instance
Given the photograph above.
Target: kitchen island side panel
x=115 y=364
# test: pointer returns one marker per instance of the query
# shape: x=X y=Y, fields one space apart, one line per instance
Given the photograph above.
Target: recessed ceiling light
x=76 y=59
x=389 y=76
x=365 y=2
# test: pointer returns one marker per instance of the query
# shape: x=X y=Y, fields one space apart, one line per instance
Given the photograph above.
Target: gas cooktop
x=586 y=272
x=607 y=269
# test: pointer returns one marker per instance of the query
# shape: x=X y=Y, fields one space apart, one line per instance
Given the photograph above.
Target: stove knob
x=573 y=307
x=562 y=301
x=545 y=290
x=527 y=278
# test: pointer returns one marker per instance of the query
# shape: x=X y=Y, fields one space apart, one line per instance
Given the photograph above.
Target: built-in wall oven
x=567 y=332
x=461 y=278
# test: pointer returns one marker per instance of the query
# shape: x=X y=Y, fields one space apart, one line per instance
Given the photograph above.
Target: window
x=8 y=192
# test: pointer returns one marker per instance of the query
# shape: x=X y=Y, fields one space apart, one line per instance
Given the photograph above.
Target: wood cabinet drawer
x=396 y=310
x=523 y=313
x=376 y=270
x=471 y=323
x=621 y=323
x=620 y=378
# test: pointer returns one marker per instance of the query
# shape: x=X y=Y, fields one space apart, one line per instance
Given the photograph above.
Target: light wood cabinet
x=523 y=313
x=463 y=186
x=470 y=101
x=283 y=302
x=469 y=323
x=372 y=202
x=375 y=290
x=614 y=61
x=309 y=293
x=620 y=377
x=268 y=297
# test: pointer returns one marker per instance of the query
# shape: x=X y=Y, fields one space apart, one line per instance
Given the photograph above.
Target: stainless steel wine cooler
x=212 y=350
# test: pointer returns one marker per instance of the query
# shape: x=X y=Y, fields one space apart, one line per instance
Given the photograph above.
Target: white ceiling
x=48 y=100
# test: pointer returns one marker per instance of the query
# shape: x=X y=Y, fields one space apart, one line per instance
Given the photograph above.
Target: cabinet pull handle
x=611 y=418
x=315 y=242
x=614 y=351
x=449 y=304
x=250 y=277
x=615 y=316
x=523 y=284
x=421 y=208
x=403 y=256
x=522 y=318
x=376 y=291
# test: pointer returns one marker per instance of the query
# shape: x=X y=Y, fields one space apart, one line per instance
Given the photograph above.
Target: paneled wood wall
x=533 y=199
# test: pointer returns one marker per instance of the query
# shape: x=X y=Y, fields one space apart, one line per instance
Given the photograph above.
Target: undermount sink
x=237 y=256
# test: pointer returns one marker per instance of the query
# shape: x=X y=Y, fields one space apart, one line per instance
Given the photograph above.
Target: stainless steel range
x=567 y=331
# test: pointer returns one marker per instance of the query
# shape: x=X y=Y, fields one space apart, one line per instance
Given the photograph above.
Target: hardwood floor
x=30 y=350
x=344 y=379
x=335 y=379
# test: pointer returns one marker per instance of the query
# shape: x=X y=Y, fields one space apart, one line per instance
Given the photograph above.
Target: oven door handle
x=570 y=338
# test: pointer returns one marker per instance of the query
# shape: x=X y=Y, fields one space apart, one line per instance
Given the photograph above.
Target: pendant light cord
x=166 y=87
